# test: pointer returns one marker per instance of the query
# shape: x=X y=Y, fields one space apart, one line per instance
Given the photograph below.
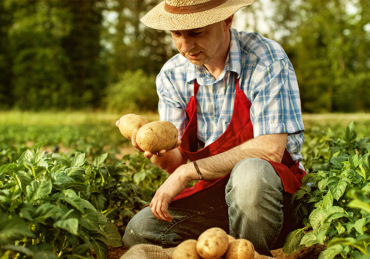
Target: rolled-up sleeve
x=276 y=105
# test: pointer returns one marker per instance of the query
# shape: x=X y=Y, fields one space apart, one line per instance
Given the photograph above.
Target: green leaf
x=71 y=225
x=361 y=171
x=358 y=204
x=328 y=201
x=331 y=252
x=82 y=249
x=19 y=249
x=98 y=200
x=38 y=146
x=359 y=225
x=337 y=162
x=112 y=234
x=139 y=177
x=366 y=188
x=38 y=190
x=75 y=202
x=349 y=226
x=23 y=179
x=77 y=173
x=354 y=161
x=339 y=227
x=321 y=237
x=337 y=186
x=12 y=230
x=90 y=220
x=100 y=159
x=44 y=212
x=360 y=242
x=337 y=216
x=292 y=242
x=101 y=249
x=323 y=183
x=78 y=160
x=350 y=134
x=44 y=254
x=318 y=217
x=309 y=239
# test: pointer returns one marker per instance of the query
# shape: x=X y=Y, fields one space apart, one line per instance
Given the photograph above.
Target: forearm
x=171 y=161
x=268 y=147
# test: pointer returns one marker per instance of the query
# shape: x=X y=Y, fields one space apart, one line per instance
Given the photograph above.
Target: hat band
x=193 y=8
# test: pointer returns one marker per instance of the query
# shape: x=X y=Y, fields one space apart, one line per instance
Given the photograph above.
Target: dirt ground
x=305 y=253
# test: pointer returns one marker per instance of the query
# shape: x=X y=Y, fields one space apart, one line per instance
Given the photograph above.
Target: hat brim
x=159 y=19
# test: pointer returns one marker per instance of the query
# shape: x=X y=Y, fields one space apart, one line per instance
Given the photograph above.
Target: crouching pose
x=234 y=99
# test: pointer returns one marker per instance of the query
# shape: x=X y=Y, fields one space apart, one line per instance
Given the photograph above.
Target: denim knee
x=249 y=178
x=142 y=229
x=254 y=195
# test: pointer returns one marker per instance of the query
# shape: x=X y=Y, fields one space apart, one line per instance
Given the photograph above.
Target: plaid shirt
x=266 y=76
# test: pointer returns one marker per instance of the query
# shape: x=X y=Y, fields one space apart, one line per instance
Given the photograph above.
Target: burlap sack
x=157 y=252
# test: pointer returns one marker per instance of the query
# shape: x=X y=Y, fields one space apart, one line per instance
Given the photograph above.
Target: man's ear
x=228 y=22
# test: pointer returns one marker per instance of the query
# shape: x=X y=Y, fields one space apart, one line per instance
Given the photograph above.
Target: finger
x=148 y=154
x=158 y=210
x=152 y=206
x=162 y=152
x=166 y=213
x=117 y=123
x=133 y=141
x=178 y=143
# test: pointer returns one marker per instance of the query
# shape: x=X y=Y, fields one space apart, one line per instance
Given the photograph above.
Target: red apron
x=239 y=130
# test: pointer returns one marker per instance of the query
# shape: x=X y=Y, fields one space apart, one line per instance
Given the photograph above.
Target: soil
x=311 y=252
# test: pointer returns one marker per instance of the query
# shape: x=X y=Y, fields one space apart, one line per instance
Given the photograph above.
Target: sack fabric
x=157 y=252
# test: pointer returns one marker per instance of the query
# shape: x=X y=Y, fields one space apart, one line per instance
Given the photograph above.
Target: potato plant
x=66 y=206
x=324 y=203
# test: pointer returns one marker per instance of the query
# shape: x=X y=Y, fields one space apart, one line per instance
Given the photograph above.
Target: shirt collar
x=233 y=63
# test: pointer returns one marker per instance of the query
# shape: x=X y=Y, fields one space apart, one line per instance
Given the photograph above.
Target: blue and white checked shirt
x=266 y=76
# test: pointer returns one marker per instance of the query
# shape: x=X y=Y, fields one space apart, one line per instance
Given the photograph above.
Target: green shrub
x=134 y=92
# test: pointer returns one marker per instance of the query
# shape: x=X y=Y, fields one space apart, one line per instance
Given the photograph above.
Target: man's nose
x=187 y=44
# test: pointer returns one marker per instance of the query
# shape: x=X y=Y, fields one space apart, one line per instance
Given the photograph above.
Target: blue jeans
x=250 y=207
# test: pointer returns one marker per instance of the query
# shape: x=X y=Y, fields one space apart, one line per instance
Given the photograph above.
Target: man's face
x=204 y=45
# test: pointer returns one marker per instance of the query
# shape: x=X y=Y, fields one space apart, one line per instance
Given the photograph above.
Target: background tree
x=5 y=57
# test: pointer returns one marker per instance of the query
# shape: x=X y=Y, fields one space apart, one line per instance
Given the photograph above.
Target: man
x=234 y=98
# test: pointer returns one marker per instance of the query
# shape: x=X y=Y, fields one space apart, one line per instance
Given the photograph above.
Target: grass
x=63 y=118
x=76 y=117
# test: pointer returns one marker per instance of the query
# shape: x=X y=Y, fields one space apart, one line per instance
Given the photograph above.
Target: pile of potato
x=151 y=136
x=214 y=243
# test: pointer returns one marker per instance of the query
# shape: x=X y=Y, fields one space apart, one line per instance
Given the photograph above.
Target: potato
x=212 y=243
x=186 y=249
x=156 y=136
x=240 y=249
x=231 y=238
x=130 y=122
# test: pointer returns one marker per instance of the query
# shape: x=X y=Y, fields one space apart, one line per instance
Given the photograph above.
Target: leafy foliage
x=127 y=93
x=68 y=207
x=339 y=167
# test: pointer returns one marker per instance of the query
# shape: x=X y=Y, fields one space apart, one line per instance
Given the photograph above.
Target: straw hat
x=191 y=14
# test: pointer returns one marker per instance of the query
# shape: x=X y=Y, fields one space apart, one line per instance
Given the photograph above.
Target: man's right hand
x=148 y=154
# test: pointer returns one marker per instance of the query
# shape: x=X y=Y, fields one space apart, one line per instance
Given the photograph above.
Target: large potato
x=212 y=243
x=156 y=136
x=240 y=249
x=186 y=249
x=130 y=122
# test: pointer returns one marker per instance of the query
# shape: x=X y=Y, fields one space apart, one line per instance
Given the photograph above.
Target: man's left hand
x=173 y=186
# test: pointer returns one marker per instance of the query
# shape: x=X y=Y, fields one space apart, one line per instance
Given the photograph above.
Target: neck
x=216 y=66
